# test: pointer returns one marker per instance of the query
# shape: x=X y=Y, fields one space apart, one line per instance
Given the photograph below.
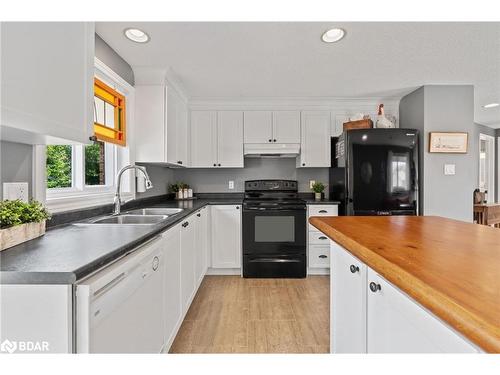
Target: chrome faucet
x=117 y=201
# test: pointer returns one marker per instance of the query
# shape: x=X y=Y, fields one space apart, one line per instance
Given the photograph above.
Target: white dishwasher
x=120 y=309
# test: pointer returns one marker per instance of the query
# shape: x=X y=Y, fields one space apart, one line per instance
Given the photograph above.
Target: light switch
x=231 y=185
x=449 y=169
x=15 y=190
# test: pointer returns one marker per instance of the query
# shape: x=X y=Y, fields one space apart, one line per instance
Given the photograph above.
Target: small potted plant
x=318 y=189
x=174 y=189
x=21 y=221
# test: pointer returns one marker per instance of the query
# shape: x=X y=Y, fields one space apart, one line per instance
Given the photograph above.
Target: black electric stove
x=274 y=230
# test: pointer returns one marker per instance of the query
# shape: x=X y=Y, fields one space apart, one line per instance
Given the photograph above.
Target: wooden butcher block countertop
x=450 y=267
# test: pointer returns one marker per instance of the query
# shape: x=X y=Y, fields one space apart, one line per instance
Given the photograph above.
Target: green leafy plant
x=173 y=188
x=18 y=212
x=183 y=185
x=58 y=166
x=318 y=187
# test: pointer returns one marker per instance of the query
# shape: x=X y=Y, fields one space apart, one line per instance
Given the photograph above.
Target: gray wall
x=16 y=164
x=160 y=177
x=216 y=180
x=109 y=57
x=444 y=108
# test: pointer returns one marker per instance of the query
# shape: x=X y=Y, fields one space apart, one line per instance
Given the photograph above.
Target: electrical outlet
x=449 y=169
x=231 y=185
x=15 y=190
x=311 y=183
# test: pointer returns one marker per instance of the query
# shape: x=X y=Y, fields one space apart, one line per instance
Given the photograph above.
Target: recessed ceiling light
x=136 y=35
x=332 y=35
x=491 y=105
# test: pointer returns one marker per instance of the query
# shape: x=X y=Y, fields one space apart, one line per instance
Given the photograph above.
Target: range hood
x=274 y=150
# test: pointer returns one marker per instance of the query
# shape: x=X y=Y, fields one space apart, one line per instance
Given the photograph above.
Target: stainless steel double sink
x=140 y=216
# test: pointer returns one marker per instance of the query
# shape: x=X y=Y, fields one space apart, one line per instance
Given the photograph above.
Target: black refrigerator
x=375 y=172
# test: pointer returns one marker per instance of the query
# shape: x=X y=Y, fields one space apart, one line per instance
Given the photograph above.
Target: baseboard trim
x=318 y=271
x=224 y=271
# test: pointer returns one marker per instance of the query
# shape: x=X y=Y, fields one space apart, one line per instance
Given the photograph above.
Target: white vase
x=317 y=196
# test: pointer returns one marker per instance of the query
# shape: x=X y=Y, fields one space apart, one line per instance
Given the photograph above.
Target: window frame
x=64 y=199
x=120 y=117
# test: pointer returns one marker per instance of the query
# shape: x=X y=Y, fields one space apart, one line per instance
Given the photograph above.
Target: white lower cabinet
x=172 y=280
x=397 y=324
x=202 y=244
x=188 y=258
x=370 y=315
x=226 y=236
x=348 y=302
x=318 y=244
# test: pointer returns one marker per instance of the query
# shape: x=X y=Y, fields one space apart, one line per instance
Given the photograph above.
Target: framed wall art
x=448 y=142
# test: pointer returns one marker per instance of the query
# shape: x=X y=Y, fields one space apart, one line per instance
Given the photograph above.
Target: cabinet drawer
x=323 y=210
x=319 y=256
x=318 y=238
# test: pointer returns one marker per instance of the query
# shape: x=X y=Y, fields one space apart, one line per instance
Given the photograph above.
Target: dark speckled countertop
x=68 y=253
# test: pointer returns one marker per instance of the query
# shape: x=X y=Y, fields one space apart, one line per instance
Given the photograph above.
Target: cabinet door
x=151 y=136
x=226 y=236
x=47 y=72
x=397 y=324
x=258 y=127
x=203 y=139
x=188 y=254
x=286 y=126
x=201 y=245
x=230 y=139
x=348 y=302
x=172 y=277
x=177 y=129
x=315 y=139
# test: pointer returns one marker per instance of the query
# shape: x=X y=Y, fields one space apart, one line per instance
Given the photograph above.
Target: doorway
x=487 y=165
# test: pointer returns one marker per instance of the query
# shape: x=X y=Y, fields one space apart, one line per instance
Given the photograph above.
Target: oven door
x=274 y=231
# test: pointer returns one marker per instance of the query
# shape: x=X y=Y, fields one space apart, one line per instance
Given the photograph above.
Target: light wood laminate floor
x=231 y=314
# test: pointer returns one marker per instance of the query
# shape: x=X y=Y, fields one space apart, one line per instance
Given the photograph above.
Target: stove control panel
x=271 y=185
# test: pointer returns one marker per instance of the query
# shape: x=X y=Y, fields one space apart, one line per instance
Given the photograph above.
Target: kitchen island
x=449 y=269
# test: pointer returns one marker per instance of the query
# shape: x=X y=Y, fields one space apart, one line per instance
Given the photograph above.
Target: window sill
x=75 y=202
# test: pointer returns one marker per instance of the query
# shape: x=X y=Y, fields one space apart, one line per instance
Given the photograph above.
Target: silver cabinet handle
x=156 y=263
x=185 y=224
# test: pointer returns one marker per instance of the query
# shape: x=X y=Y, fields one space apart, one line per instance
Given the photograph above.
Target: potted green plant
x=21 y=221
x=318 y=189
x=184 y=189
x=174 y=189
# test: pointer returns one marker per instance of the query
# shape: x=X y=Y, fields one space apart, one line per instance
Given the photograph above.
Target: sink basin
x=131 y=219
x=155 y=211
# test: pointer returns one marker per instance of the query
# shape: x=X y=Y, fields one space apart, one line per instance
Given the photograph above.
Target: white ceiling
x=290 y=60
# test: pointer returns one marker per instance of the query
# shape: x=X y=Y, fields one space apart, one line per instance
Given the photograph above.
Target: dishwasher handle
x=109 y=285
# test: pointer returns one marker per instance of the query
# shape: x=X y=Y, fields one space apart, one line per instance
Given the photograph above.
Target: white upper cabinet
x=47 y=71
x=203 y=139
x=230 y=139
x=258 y=126
x=315 y=139
x=217 y=139
x=162 y=125
x=272 y=127
x=286 y=126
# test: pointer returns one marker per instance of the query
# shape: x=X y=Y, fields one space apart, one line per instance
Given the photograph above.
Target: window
x=76 y=168
x=109 y=114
